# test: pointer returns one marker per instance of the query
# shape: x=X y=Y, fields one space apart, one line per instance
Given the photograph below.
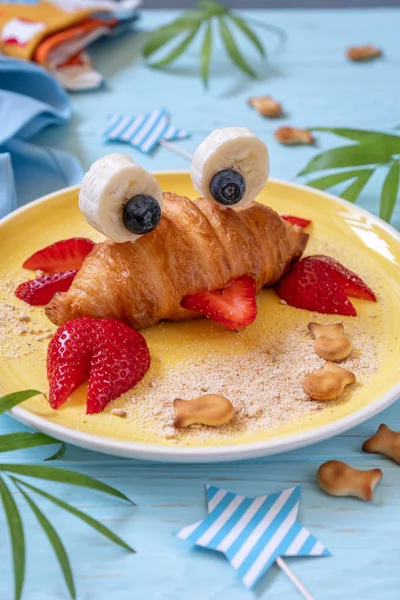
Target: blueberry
x=228 y=187
x=141 y=214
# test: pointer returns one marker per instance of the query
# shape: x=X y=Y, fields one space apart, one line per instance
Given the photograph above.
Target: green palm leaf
x=189 y=23
x=8 y=402
x=249 y=33
x=387 y=140
x=102 y=529
x=59 y=454
x=390 y=191
x=233 y=49
x=17 y=537
x=63 y=476
x=374 y=148
x=54 y=540
x=19 y=441
x=348 y=156
x=165 y=34
x=328 y=181
x=352 y=192
x=206 y=54
x=213 y=8
x=176 y=52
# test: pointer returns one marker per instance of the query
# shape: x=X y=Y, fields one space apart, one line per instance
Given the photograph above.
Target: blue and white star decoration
x=143 y=132
x=253 y=532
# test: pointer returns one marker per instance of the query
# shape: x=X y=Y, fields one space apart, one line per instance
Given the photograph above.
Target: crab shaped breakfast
x=171 y=258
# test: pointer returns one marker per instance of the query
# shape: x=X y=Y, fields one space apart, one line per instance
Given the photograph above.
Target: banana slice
x=120 y=199
x=231 y=167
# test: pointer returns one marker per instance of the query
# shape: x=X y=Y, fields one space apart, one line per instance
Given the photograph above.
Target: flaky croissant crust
x=196 y=247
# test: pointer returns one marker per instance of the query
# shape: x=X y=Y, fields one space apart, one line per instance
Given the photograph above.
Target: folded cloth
x=30 y=100
x=53 y=32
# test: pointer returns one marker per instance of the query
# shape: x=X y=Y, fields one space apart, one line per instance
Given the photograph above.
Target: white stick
x=293 y=578
x=176 y=149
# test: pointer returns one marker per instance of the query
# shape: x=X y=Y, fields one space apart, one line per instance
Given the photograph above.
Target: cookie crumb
x=24 y=318
x=118 y=412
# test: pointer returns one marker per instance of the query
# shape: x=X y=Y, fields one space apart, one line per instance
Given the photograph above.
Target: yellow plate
x=352 y=235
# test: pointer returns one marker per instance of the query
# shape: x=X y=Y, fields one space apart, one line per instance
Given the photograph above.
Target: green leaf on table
x=206 y=54
x=249 y=33
x=389 y=192
x=8 y=402
x=17 y=537
x=348 y=156
x=233 y=49
x=99 y=527
x=59 y=454
x=63 y=476
x=213 y=9
x=54 y=540
x=176 y=52
x=162 y=36
x=387 y=140
x=21 y=440
x=352 y=192
x=328 y=181
x=189 y=23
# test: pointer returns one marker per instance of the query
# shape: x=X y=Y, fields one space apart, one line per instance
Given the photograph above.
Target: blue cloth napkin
x=30 y=100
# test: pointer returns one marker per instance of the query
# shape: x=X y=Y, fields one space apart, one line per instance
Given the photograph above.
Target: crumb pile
x=264 y=385
x=19 y=320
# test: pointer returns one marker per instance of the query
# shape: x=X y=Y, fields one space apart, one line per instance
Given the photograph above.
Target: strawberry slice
x=307 y=286
x=234 y=306
x=303 y=223
x=110 y=354
x=322 y=284
x=66 y=255
x=351 y=283
x=39 y=291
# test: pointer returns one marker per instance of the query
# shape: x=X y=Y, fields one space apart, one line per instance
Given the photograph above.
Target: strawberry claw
x=321 y=283
x=234 y=306
x=111 y=355
x=303 y=223
x=39 y=291
x=65 y=255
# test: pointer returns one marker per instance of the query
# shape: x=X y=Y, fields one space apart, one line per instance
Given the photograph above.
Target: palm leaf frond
x=374 y=149
x=99 y=527
x=187 y=26
x=63 y=476
x=8 y=402
x=55 y=542
x=390 y=191
x=17 y=537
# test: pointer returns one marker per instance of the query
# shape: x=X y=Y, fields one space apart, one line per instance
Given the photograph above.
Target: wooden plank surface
x=317 y=86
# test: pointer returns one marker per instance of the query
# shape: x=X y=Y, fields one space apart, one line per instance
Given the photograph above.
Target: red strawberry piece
x=297 y=221
x=307 y=285
x=40 y=291
x=110 y=354
x=234 y=306
x=351 y=283
x=66 y=255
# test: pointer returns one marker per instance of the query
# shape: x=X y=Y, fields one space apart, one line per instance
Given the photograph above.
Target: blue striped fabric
x=253 y=532
x=143 y=132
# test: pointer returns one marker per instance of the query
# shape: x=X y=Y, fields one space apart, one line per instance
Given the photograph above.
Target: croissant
x=197 y=246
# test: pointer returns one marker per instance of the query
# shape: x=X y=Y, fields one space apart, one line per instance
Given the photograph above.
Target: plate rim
x=203 y=454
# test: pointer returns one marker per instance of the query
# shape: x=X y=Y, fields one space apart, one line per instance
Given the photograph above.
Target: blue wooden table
x=317 y=86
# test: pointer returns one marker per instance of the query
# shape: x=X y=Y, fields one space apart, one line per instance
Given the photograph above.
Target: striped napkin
x=143 y=132
x=253 y=532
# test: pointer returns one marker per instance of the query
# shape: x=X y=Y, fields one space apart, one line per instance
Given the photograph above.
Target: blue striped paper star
x=253 y=532
x=143 y=132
